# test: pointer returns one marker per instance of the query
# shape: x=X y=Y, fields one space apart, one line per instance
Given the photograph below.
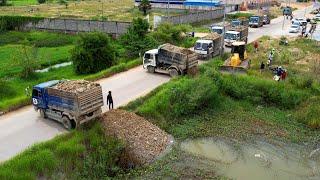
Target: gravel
x=77 y=86
x=144 y=141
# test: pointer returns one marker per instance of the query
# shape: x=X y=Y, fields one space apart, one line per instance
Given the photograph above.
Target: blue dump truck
x=69 y=102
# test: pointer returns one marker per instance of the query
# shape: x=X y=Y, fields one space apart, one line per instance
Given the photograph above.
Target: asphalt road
x=24 y=127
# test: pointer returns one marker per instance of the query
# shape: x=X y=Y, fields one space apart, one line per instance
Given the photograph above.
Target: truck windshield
x=35 y=93
x=147 y=56
x=219 y=31
x=254 y=19
x=201 y=46
x=235 y=23
x=231 y=36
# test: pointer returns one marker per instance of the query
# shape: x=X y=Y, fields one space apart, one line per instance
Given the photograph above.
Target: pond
x=258 y=160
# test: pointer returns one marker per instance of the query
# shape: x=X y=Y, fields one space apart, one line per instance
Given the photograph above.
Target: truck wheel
x=66 y=123
x=42 y=113
x=173 y=72
x=151 y=69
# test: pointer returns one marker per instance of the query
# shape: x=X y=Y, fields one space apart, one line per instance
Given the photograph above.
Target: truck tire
x=151 y=69
x=66 y=123
x=42 y=113
x=173 y=72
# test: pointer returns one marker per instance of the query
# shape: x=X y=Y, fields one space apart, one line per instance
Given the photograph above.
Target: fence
x=75 y=25
x=193 y=17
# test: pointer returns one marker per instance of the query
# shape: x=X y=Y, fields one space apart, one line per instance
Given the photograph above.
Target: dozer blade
x=233 y=70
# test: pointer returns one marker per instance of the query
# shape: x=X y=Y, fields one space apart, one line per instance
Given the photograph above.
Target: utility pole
x=168 y=8
x=223 y=24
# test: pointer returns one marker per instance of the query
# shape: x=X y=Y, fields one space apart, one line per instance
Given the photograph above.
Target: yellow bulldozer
x=239 y=61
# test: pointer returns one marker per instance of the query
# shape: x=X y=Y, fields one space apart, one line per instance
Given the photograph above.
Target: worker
x=303 y=31
x=262 y=66
x=110 y=100
x=256 y=45
x=284 y=74
x=271 y=55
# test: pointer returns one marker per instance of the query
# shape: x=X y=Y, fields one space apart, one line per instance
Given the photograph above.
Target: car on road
x=294 y=28
x=317 y=17
x=301 y=21
x=266 y=19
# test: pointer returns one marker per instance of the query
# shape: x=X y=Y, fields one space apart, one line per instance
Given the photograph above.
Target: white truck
x=239 y=33
x=220 y=28
x=209 y=46
x=170 y=58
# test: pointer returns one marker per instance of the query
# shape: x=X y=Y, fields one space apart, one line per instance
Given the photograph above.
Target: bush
x=16 y=22
x=3 y=2
x=41 y=1
x=169 y=33
x=180 y=98
x=94 y=52
x=136 y=41
x=261 y=91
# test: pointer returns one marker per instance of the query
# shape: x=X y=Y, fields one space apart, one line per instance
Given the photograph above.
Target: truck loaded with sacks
x=172 y=59
x=69 y=102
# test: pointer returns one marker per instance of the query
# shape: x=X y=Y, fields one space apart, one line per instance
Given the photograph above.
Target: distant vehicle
x=317 y=17
x=301 y=21
x=240 y=22
x=294 y=29
x=71 y=105
x=209 y=46
x=218 y=28
x=256 y=21
x=266 y=19
x=316 y=11
x=287 y=11
x=169 y=58
x=239 y=33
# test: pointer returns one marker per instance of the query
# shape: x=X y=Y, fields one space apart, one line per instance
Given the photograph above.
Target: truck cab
x=204 y=47
x=39 y=94
x=230 y=37
x=150 y=60
x=217 y=29
x=235 y=23
x=255 y=21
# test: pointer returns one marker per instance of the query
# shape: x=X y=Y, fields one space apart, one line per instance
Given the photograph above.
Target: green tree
x=94 y=52
x=137 y=40
x=27 y=59
x=3 y=2
x=144 y=6
x=41 y=1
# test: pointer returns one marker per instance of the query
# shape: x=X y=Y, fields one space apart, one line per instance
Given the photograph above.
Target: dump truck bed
x=181 y=57
x=74 y=98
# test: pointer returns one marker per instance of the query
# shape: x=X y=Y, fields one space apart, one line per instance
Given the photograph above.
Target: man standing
x=262 y=66
x=256 y=46
x=110 y=100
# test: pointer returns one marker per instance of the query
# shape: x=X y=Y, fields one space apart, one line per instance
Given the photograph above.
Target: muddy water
x=258 y=160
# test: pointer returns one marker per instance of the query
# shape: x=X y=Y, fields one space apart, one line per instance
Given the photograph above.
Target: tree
x=27 y=58
x=144 y=6
x=94 y=52
x=41 y=1
x=3 y=2
x=137 y=40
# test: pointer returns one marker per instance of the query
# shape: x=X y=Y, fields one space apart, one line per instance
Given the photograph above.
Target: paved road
x=22 y=128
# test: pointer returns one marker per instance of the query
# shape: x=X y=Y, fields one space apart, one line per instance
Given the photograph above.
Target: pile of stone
x=144 y=141
x=77 y=86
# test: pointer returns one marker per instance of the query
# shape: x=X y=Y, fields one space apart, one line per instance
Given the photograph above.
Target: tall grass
x=84 y=153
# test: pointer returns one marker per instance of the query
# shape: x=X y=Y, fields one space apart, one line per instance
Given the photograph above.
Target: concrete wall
x=194 y=17
x=75 y=25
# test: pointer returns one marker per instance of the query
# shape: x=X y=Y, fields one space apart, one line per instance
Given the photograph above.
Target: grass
x=123 y=10
x=81 y=154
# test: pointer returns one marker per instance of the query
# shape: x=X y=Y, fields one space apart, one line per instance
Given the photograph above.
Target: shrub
x=16 y=22
x=94 y=52
x=180 y=98
x=169 y=33
x=261 y=91
x=3 y=2
x=41 y=1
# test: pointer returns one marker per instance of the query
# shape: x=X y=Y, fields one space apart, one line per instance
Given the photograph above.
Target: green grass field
x=22 y=2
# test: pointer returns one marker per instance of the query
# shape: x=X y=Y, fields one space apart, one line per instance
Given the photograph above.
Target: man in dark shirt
x=110 y=100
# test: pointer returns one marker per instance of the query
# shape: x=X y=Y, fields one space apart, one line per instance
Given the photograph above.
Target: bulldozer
x=239 y=61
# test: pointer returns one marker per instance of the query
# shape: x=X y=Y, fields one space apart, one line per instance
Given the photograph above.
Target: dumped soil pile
x=144 y=141
x=212 y=36
x=78 y=86
x=175 y=49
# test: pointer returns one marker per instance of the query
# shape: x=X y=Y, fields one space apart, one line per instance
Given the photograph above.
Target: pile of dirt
x=78 y=86
x=175 y=49
x=212 y=36
x=144 y=141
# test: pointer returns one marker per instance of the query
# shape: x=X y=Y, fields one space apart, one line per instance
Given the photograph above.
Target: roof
x=47 y=84
x=152 y=51
x=238 y=43
x=232 y=32
x=204 y=41
x=211 y=3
